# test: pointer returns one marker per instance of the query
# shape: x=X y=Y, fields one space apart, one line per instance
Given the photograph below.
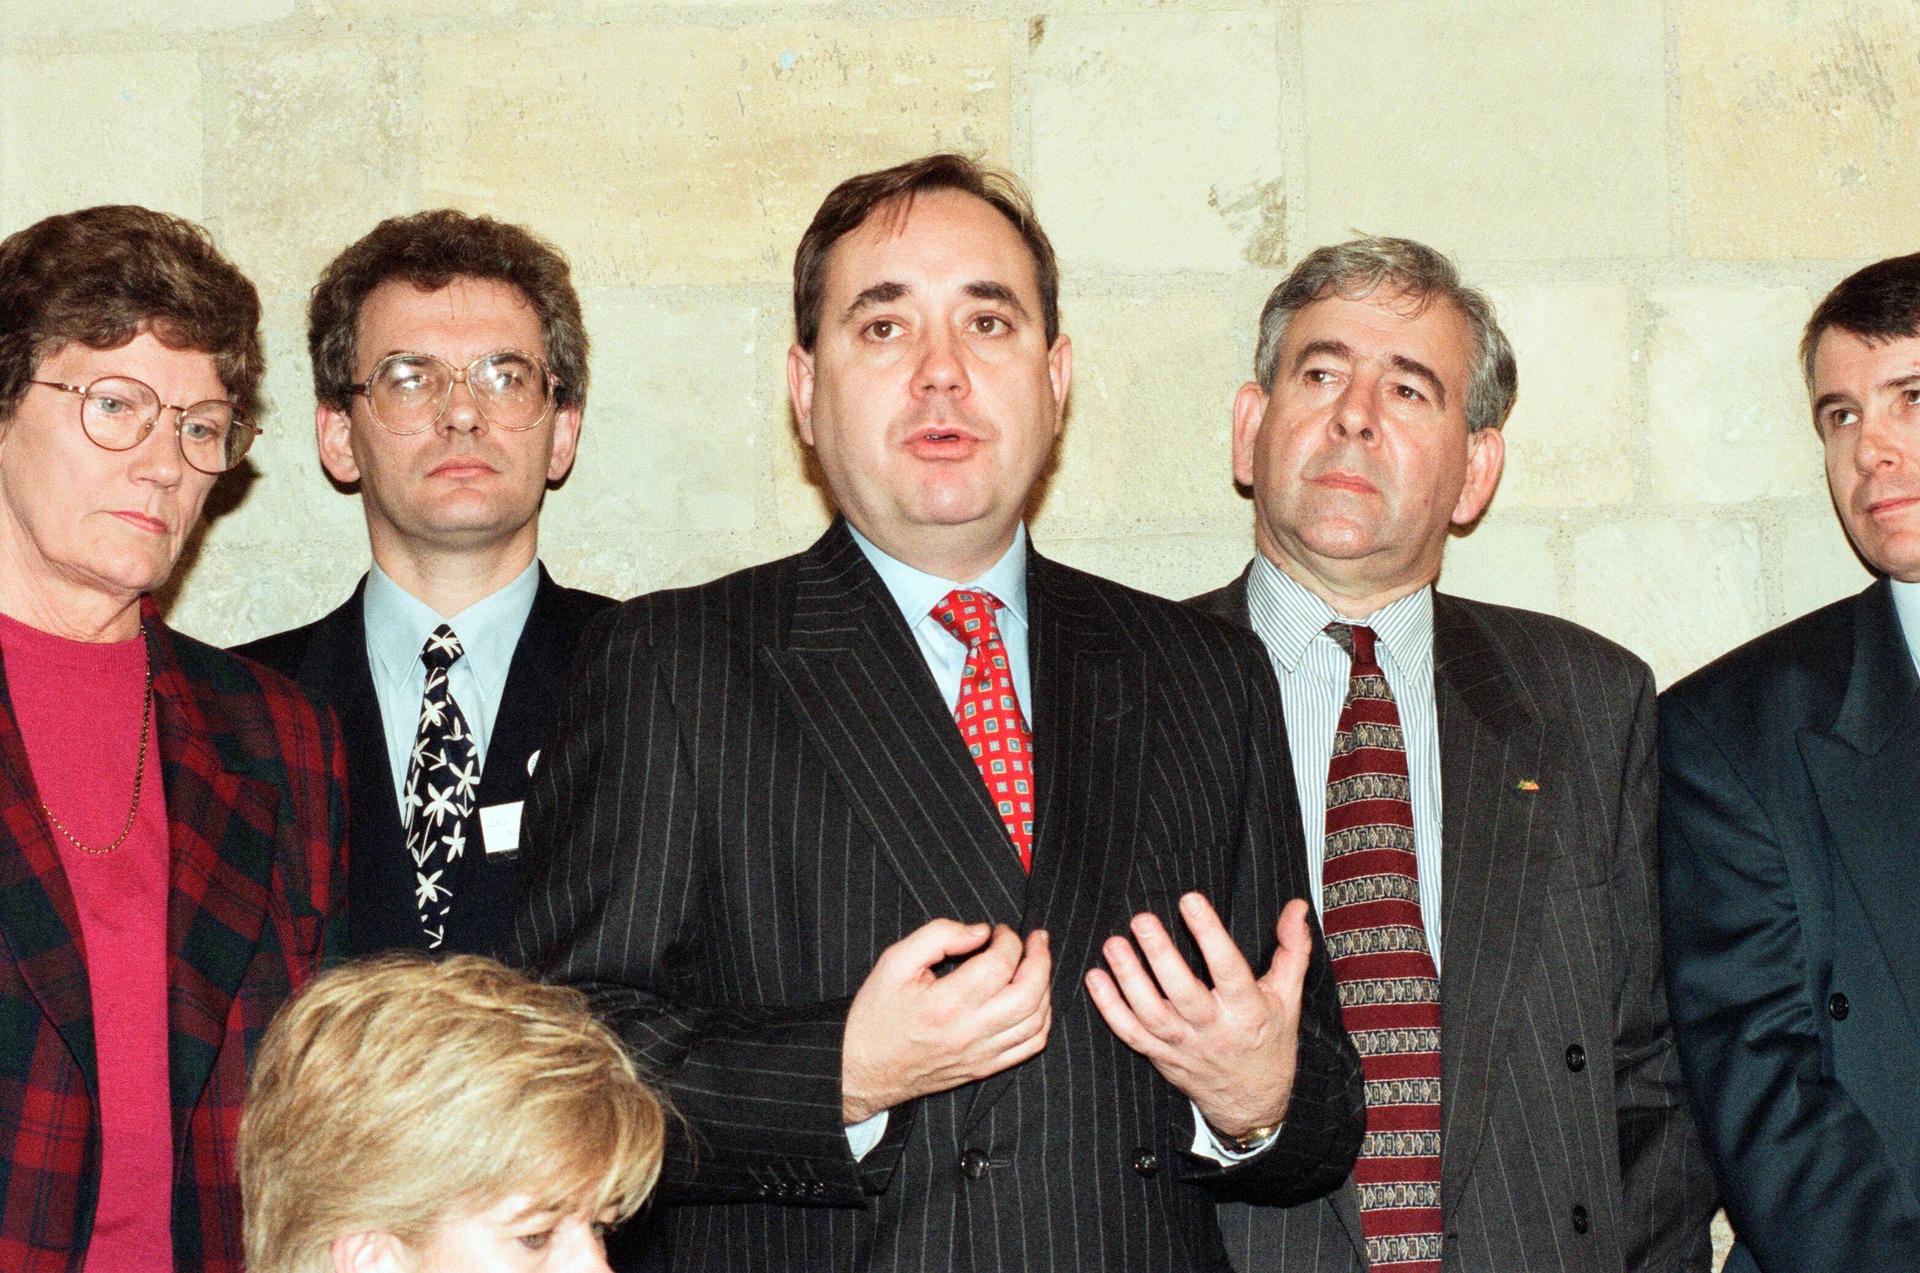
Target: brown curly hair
x=101 y=276
x=430 y=250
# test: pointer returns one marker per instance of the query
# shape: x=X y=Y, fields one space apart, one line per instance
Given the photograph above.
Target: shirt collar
x=1289 y=618
x=399 y=623
x=916 y=592
x=1906 y=604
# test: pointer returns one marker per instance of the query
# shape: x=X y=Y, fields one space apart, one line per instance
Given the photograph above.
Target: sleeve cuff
x=863 y=1136
x=1205 y=1144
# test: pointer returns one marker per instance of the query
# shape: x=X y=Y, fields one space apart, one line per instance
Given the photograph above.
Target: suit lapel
x=1872 y=753
x=38 y=917
x=1493 y=867
x=854 y=676
x=221 y=824
x=536 y=682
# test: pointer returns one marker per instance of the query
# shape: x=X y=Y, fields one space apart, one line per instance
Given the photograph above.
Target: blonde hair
x=397 y=1093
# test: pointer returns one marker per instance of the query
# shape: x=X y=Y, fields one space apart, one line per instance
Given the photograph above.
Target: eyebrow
x=1910 y=380
x=1399 y=362
x=878 y=294
x=886 y=293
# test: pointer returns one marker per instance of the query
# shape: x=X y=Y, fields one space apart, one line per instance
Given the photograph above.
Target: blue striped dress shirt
x=1313 y=674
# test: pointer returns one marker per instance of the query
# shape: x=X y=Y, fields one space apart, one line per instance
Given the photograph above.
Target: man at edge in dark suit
x=854 y=848
x=1789 y=835
x=450 y=364
x=1477 y=785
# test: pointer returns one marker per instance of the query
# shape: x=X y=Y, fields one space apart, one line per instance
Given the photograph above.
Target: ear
x=333 y=430
x=800 y=389
x=1249 y=409
x=1486 y=456
x=374 y=1252
x=566 y=442
x=1060 y=372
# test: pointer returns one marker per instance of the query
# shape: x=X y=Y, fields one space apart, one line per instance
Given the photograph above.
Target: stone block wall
x=1654 y=191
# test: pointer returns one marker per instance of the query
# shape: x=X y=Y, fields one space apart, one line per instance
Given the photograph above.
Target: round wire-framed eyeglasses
x=118 y=412
x=408 y=393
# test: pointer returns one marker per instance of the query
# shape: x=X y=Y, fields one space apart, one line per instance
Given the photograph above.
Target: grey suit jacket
x=756 y=788
x=1566 y=1142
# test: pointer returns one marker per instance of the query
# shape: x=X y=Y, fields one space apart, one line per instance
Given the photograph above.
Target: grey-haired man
x=1478 y=786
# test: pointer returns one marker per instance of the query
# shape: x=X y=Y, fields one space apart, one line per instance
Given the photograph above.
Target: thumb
x=1289 y=967
x=937 y=940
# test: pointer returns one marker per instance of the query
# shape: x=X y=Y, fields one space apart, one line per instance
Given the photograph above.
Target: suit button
x=1576 y=1057
x=1837 y=1007
x=1146 y=1162
x=1579 y=1218
x=780 y=1190
x=973 y=1164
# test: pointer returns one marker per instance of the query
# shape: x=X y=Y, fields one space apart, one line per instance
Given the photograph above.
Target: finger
x=932 y=942
x=1119 y=1017
x=1039 y=1021
x=985 y=973
x=1225 y=964
x=1288 y=972
x=1148 y=1004
x=1035 y=973
x=1017 y=1051
x=1188 y=995
x=1029 y=992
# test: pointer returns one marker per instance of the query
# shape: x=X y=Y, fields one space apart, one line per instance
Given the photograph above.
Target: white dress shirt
x=398 y=625
x=916 y=593
x=1314 y=671
x=1906 y=604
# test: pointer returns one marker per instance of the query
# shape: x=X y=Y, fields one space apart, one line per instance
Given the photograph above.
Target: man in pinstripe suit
x=1524 y=1101
x=849 y=847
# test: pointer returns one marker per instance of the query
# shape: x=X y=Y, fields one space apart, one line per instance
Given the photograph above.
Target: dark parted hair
x=851 y=202
x=101 y=276
x=1878 y=304
x=430 y=250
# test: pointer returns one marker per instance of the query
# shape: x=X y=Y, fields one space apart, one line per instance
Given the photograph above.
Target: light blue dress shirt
x=916 y=593
x=1906 y=604
x=1314 y=672
x=398 y=625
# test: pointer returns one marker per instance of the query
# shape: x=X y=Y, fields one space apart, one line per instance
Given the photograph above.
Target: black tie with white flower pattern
x=442 y=779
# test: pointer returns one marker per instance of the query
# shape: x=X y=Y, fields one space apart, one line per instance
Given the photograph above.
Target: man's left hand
x=1231 y=1049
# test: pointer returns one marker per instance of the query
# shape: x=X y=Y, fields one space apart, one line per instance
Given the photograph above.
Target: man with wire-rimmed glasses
x=450 y=368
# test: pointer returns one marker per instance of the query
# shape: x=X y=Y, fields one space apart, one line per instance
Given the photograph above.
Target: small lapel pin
x=1528 y=784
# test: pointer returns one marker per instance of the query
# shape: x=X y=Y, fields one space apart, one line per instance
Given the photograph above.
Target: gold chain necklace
x=139 y=775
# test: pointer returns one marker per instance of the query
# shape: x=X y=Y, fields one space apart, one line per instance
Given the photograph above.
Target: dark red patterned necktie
x=989 y=716
x=1389 y=984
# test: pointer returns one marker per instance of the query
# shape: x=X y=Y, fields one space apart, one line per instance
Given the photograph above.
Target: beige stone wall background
x=1655 y=192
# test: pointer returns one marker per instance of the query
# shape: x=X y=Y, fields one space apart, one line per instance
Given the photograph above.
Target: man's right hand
x=911 y=1033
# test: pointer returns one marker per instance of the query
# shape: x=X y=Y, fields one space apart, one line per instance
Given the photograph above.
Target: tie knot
x=968 y=614
x=442 y=650
x=1357 y=640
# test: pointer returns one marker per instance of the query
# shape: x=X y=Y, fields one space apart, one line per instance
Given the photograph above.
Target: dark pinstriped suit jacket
x=756 y=788
x=1567 y=1144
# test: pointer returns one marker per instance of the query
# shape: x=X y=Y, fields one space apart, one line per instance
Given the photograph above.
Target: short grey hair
x=1353 y=270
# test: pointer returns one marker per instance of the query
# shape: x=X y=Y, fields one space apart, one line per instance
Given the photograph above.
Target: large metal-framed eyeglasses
x=118 y=412
x=408 y=393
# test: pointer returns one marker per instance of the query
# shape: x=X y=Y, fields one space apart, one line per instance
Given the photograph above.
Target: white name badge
x=500 y=828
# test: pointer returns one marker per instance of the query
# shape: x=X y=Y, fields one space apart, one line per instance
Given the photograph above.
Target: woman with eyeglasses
x=172 y=818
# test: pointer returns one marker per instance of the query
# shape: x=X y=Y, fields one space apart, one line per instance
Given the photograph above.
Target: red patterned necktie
x=989 y=716
x=1389 y=984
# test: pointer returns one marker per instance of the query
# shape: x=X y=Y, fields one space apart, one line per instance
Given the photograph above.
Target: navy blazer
x=1790 y=838
x=329 y=659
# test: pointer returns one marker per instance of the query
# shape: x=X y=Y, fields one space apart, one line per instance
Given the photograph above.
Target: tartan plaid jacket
x=255 y=782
